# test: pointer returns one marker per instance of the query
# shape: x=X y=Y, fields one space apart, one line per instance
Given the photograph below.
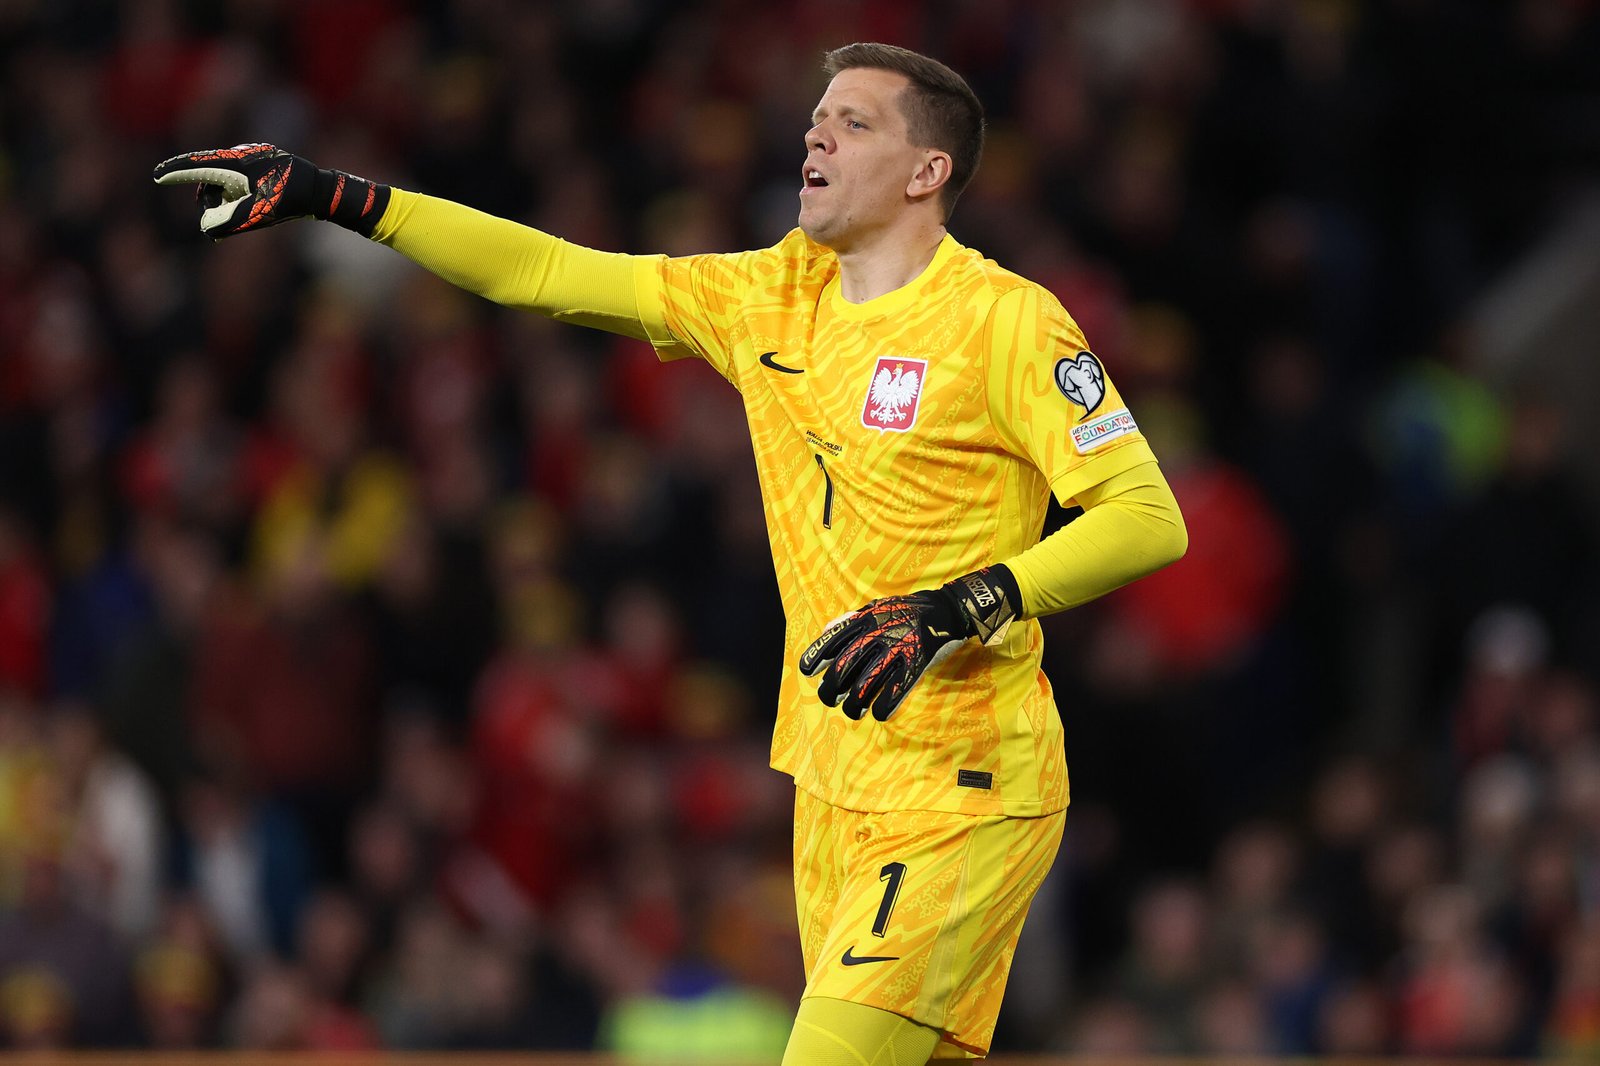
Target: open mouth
x=815 y=180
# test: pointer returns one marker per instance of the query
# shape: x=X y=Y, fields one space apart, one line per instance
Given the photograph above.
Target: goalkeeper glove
x=876 y=654
x=252 y=186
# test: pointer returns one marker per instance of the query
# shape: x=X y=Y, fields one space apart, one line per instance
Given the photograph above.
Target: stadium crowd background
x=379 y=667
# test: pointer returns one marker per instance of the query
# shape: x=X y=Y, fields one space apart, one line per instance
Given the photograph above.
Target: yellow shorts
x=917 y=912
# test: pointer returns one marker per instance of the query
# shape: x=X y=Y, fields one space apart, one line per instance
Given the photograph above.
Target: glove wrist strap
x=990 y=598
x=352 y=202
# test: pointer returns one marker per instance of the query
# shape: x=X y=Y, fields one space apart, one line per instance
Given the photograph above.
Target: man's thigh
x=917 y=912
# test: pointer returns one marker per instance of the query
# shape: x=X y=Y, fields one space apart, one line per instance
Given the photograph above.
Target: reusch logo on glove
x=981 y=592
x=893 y=393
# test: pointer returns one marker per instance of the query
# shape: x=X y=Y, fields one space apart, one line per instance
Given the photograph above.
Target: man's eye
x=856 y=125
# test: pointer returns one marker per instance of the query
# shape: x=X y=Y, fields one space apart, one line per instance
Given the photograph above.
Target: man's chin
x=818 y=232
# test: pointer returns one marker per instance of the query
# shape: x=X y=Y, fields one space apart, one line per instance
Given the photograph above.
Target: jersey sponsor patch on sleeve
x=1087 y=436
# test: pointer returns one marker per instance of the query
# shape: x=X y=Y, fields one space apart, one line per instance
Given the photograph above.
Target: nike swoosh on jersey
x=771 y=363
x=857 y=960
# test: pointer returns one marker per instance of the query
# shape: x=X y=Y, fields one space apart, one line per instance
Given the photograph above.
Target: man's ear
x=931 y=176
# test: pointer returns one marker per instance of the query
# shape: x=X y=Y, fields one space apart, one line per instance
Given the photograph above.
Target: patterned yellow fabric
x=917 y=912
x=878 y=482
x=988 y=400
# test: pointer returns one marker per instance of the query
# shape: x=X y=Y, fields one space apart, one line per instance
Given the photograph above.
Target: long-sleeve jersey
x=899 y=443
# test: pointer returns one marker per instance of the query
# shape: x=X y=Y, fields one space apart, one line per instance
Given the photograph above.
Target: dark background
x=379 y=667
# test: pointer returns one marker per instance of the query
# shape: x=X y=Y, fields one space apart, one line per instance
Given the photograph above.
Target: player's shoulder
x=999 y=286
x=797 y=254
x=793 y=254
x=793 y=265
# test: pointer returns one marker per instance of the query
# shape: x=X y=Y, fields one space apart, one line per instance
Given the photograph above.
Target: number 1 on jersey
x=893 y=873
x=827 y=493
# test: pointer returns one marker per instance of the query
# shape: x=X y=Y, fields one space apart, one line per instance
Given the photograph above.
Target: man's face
x=859 y=161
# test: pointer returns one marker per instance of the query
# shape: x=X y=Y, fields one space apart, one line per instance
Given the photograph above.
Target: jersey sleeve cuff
x=394 y=213
x=1113 y=461
x=652 y=309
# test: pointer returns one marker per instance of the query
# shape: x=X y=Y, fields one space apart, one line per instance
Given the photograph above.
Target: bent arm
x=519 y=266
x=1130 y=527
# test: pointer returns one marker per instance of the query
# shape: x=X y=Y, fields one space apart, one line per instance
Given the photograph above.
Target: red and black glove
x=874 y=656
x=252 y=186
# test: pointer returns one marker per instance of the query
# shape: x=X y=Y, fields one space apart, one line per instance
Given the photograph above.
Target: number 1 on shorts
x=892 y=873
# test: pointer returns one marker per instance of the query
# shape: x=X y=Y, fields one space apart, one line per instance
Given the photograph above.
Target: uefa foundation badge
x=893 y=395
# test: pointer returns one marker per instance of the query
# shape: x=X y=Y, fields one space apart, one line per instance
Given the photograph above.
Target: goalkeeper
x=912 y=407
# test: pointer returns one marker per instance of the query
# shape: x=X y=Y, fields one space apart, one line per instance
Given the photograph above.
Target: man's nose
x=815 y=138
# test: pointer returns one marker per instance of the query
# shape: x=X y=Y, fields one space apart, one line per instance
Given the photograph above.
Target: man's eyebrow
x=844 y=109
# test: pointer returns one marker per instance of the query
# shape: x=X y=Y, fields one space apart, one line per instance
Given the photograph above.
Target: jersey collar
x=898 y=299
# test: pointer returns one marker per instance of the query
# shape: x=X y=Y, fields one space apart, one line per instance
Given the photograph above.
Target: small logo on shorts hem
x=974 y=779
x=857 y=960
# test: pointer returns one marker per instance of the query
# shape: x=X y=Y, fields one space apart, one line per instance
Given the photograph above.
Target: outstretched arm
x=253 y=186
x=516 y=265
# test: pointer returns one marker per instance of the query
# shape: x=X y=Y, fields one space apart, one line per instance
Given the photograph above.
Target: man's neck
x=878 y=266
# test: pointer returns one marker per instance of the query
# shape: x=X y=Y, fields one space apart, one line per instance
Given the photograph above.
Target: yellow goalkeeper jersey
x=900 y=443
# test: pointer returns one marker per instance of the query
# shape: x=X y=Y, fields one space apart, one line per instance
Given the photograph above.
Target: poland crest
x=893 y=393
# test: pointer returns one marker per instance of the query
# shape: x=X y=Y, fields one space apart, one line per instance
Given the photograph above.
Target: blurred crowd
x=381 y=668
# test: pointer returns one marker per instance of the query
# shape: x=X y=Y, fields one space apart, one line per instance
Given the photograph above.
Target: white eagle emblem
x=893 y=394
x=1082 y=380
